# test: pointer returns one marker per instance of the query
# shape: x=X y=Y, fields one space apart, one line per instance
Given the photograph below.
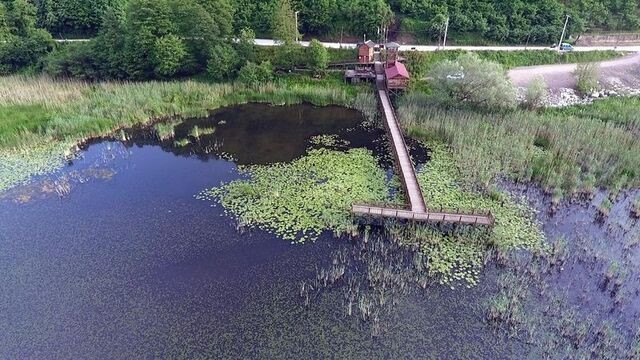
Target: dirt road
x=624 y=71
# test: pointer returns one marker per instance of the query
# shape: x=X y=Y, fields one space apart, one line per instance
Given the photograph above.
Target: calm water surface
x=128 y=264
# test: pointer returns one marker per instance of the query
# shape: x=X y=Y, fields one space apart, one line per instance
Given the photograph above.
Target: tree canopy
x=499 y=20
x=21 y=43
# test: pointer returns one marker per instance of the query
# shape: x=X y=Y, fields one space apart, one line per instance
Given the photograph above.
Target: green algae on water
x=299 y=200
x=18 y=166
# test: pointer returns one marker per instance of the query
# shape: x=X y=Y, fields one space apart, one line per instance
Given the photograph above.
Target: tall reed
x=563 y=152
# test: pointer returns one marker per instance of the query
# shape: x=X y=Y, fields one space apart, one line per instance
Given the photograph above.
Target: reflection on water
x=125 y=263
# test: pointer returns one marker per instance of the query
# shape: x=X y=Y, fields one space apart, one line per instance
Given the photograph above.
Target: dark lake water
x=113 y=257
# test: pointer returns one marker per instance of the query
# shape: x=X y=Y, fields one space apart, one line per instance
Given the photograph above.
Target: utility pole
x=564 y=30
x=297 y=32
x=446 y=30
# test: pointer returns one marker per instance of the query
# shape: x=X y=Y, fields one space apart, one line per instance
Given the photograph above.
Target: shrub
x=223 y=62
x=317 y=57
x=472 y=80
x=245 y=47
x=536 y=94
x=72 y=60
x=417 y=63
x=288 y=56
x=587 y=77
x=253 y=74
x=17 y=52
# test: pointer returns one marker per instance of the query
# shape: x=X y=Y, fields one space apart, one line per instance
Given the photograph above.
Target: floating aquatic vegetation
x=164 y=131
x=299 y=200
x=328 y=141
x=635 y=207
x=457 y=254
x=181 y=143
x=197 y=131
x=18 y=166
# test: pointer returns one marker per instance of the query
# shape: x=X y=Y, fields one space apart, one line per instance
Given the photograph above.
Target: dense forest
x=142 y=39
x=499 y=20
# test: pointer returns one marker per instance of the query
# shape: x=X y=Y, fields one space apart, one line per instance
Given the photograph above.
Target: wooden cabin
x=392 y=51
x=397 y=76
x=365 y=52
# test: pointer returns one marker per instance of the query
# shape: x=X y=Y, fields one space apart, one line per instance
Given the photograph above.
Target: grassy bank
x=47 y=115
x=420 y=63
x=566 y=154
x=621 y=111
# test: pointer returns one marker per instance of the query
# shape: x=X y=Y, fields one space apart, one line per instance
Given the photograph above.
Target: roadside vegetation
x=587 y=76
x=421 y=63
x=472 y=81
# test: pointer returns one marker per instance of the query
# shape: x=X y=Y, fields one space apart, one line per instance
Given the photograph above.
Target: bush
x=288 y=56
x=317 y=57
x=245 y=47
x=72 y=60
x=417 y=63
x=536 y=94
x=223 y=62
x=472 y=80
x=17 y=52
x=253 y=74
x=587 y=77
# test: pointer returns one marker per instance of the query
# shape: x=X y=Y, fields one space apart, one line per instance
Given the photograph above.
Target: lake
x=114 y=257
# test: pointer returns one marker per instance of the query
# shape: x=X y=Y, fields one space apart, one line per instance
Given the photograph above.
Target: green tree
x=245 y=45
x=145 y=21
x=318 y=16
x=288 y=56
x=73 y=17
x=472 y=80
x=22 y=44
x=366 y=16
x=221 y=11
x=223 y=62
x=110 y=45
x=252 y=74
x=20 y=17
x=4 y=27
x=284 y=27
x=168 y=55
x=317 y=57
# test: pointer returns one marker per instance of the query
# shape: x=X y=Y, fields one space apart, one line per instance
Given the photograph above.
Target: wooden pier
x=418 y=209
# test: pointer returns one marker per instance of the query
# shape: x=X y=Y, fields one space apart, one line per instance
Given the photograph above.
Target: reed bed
x=565 y=153
x=621 y=111
x=39 y=112
x=41 y=90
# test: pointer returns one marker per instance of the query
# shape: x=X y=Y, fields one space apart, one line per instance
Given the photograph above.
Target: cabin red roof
x=397 y=70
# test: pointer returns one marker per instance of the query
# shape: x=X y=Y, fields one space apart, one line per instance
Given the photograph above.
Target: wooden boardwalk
x=418 y=209
x=443 y=217
x=405 y=165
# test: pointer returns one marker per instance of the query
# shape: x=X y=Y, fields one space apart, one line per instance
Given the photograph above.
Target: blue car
x=566 y=47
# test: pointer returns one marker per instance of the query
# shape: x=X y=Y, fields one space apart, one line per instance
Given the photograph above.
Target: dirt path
x=624 y=71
